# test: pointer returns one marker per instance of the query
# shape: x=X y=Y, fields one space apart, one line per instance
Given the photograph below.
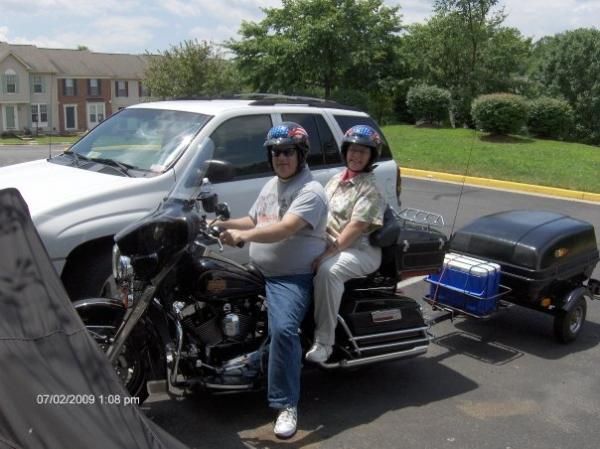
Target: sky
x=137 y=26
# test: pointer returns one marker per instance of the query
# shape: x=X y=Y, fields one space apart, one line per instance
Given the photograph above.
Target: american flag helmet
x=288 y=133
x=363 y=135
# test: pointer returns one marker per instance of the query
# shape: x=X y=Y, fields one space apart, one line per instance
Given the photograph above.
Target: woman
x=355 y=210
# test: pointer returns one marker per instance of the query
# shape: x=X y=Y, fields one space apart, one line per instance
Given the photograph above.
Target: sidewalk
x=503 y=185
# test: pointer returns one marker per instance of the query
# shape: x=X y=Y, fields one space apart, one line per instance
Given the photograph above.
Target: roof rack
x=267 y=99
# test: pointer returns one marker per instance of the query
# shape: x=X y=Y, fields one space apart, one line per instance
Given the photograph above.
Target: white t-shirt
x=301 y=196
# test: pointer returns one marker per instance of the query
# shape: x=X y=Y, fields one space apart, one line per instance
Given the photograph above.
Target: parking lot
x=503 y=383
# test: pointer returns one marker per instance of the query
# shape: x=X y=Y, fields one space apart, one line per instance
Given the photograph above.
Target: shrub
x=428 y=103
x=499 y=113
x=549 y=117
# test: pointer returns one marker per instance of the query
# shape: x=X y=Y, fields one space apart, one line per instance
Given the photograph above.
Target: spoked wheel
x=568 y=324
x=102 y=325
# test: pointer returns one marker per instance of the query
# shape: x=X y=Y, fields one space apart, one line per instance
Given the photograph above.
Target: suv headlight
x=121 y=265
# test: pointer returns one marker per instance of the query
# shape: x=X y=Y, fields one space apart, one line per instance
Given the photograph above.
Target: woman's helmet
x=286 y=134
x=366 y=136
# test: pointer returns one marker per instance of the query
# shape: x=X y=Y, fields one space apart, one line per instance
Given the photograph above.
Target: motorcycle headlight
x=121 y=265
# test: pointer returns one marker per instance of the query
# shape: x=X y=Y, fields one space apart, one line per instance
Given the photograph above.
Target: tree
x=567 y=65
x=465 y=49
x=190 y=69
x=324 y=44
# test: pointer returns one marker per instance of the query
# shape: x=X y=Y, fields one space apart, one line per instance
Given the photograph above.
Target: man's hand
x=232 y=237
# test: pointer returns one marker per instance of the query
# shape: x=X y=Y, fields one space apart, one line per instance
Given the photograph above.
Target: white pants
x=329 y=281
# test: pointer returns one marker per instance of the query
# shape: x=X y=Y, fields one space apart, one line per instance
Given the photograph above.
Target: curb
x=493 y=183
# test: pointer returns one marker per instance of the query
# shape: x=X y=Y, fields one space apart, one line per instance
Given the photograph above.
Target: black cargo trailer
x=546 y=261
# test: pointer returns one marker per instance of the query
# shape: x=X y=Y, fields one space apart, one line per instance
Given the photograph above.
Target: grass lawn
x=513 y=158
x=45 y=140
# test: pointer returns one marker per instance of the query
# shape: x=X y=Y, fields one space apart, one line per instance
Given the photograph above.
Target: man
x=286 y=231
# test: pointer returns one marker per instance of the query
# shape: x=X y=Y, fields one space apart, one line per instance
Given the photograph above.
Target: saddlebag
x=369 y=312
x=536 y=250
x=409 y=248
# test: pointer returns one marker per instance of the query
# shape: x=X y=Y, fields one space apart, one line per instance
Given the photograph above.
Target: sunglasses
x=287 y=152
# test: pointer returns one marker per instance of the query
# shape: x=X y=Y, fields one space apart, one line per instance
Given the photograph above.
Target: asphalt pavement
x=502 y=383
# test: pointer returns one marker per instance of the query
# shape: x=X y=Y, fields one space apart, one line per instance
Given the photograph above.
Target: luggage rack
x=436 y=305
x=421 y=217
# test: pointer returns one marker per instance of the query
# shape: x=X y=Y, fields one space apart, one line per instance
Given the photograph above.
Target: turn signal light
x=546 y=302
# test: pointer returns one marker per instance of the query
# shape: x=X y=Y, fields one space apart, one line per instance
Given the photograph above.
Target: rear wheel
x=568 y=324
x=102 y=324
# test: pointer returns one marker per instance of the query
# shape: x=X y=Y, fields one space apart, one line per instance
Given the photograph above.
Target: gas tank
x=218 y=278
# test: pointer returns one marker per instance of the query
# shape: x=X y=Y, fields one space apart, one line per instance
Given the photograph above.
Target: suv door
x=239 y=141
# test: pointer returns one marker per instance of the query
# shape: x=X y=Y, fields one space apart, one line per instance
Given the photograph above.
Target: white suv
x=122 y=169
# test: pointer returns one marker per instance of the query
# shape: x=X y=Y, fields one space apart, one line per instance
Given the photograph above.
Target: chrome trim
x=179 y=330
x=396 y=343
x=390 y=334
x=376 y=358
x=348 y=333
x=228 y=387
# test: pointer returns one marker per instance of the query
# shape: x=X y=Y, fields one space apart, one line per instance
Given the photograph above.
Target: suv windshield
x=142 y=139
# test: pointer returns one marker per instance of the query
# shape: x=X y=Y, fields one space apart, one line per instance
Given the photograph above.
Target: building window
x=38 y=84
x=121 y=88
x=10 y=82
x=69 y=87
x=39 y=115
x=94 y=87
x=143 y=91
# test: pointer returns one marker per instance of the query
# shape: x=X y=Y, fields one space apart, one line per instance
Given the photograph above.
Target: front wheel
x=568 y=324
x=102 y=322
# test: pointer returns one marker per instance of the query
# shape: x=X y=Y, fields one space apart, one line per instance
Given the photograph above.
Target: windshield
x=144 y=139
x=191 y=182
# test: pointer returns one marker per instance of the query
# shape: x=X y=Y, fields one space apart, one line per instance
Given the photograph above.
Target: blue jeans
x=288 y=299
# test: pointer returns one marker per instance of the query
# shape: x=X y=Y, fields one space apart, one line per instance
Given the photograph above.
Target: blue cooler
x=466 y=283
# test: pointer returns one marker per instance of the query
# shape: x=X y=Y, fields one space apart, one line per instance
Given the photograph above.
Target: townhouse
x=62 y=91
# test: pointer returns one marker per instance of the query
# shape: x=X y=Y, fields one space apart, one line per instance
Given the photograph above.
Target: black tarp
x=45 y=350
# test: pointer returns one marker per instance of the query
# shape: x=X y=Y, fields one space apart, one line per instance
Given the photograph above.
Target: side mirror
x=222 y=211
x=219 y=171
x=210 y=202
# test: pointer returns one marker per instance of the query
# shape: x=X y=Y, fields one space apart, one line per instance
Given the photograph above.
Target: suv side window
x=240 y=141
x=323 y=147
x=348 y=121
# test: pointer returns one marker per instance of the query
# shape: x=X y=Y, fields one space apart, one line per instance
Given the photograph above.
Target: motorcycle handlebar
x=215 y=231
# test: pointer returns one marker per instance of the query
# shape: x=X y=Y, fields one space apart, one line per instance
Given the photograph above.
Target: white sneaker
x=285 y=425
x=318 y=353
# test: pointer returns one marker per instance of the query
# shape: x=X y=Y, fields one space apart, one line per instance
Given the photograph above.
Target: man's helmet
x=366 y=136
x=285 y=134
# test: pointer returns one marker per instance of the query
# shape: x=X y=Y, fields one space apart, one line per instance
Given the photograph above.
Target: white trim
x=95 y=104
x=39 y=124
x=65 y=106
x=16 y=115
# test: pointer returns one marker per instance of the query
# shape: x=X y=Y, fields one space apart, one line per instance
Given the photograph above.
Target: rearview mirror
x=222 y=211
x=219 y=171
x=209 y=202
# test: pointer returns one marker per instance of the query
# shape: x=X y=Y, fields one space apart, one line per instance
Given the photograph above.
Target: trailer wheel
x=568 y=323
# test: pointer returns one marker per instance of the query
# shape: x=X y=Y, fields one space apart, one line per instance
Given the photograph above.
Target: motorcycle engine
x=214 y=324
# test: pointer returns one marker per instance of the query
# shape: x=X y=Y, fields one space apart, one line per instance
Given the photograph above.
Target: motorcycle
x=190 y=315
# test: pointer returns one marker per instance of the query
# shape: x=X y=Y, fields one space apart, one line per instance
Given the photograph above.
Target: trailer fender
x=570 y=299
